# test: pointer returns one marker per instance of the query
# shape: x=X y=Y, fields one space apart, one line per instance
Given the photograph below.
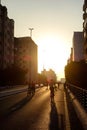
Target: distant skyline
x=54 y=22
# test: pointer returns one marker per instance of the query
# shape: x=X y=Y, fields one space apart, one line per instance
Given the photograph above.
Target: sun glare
x=52 y=54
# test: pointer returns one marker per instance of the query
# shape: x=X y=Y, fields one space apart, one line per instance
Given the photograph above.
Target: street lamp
x=31 y=29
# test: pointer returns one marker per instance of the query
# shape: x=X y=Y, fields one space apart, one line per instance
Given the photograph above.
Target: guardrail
x=12 y=92
x=73 y=94
x=15 y=90
x=79 y=93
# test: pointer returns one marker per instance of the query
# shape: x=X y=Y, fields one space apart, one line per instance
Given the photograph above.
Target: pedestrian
x=29 y=90
x=51 y=90
x=33 y=87
x=58 y=84
x=64 y=84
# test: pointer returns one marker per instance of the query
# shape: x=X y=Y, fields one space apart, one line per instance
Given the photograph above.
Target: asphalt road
x=37 y=113
x=19 y=112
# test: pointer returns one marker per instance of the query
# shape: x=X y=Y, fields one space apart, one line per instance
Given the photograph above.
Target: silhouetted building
x=85 y=27
x=78 y=45
x=50 y=74
x=76 y=72
x=26 y=57
x=70 y=59
x=6 y=39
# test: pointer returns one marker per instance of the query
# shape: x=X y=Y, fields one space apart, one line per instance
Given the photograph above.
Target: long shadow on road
x=56 y=120
x=14 y=108
x=18 y=105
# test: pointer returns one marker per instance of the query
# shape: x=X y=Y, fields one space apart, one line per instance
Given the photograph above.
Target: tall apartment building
x=78 y=44
x=26 y=57
x=6 y=39
x=85 y=27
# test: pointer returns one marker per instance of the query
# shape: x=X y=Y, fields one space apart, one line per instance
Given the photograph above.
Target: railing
x=80 y=94
x=17 y=90
x=7 y=93
x=78 y=98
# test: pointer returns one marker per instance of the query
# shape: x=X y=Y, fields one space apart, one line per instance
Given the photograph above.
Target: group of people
x=31 y=89
x=52 y=87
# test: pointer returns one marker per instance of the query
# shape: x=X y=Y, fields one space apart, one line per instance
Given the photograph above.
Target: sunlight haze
x=54 y=22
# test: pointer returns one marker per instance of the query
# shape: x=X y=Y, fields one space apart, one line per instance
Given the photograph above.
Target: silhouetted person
x=64 y=85
x=58 y=84
x=51 y=90
x=29 y=89
x=33 y=87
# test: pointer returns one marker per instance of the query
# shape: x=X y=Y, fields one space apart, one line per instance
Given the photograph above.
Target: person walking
x=33 y=87
x=29 y=90
x=51 y=90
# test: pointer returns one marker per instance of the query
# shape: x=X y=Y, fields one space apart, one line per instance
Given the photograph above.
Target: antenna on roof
x=31 y=29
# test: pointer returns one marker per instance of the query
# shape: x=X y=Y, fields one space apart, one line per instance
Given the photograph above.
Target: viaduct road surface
x=38 y=113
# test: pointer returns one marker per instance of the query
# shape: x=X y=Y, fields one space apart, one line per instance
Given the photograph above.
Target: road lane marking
x=67 y=121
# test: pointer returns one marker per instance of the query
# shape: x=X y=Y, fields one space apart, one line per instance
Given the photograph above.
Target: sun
x=52 y=53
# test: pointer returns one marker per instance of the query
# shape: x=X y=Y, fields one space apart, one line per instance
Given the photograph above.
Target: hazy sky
x=54 y=22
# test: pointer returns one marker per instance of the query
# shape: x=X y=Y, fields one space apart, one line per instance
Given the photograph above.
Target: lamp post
x=30 y=78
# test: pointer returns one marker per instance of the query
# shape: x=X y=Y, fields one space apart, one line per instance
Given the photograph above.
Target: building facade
x=85 y=27
x=50 y=75
x=26 y=57
x=6 y=39
x=78 y=45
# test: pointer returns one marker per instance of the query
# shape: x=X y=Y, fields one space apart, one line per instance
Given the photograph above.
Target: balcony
x=84 y=16
x=84 y=6
x=85 y=25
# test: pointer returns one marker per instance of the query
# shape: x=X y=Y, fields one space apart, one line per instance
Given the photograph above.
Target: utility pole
x=31 y=29
x=30 y=78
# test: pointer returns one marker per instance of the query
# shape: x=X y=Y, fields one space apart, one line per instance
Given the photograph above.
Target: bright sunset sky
x=54 y=22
